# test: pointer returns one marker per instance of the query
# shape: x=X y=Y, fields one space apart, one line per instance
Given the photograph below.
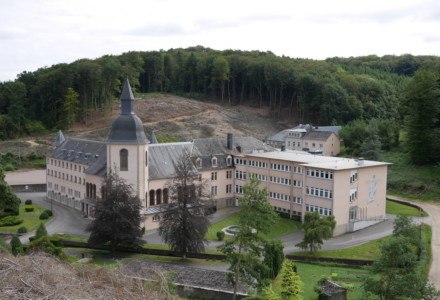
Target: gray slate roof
x=85 y=152
x=317 y=135
x=240 y=145
x=334 y=129
x=163 y=157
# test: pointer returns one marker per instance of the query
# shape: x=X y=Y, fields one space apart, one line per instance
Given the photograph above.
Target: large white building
x=353 y=191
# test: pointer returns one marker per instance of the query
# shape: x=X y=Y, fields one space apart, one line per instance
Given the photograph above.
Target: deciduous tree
x=117 y=215
x=8 y=200
x=245 y=250
x=184 y=224
x=317 y=230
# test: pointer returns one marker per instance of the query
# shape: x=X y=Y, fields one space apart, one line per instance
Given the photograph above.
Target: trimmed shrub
x=16 y=246
x=29 y=208
x=22 y=229
x=44 y=216
x=11 y=221
x=32 y=238
x=41 y=231
x=28 y=202
x=12 y=211
x=49 y=212
x=220 y=235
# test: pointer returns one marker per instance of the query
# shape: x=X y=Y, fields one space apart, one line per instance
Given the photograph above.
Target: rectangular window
x=228 y=174
x=228 y=188
x=213 y=190
x=213 y=175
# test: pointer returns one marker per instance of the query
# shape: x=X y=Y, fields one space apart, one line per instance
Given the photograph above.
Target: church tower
x=127 y=146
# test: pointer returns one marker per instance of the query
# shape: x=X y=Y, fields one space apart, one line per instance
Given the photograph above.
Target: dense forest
x=335 y=91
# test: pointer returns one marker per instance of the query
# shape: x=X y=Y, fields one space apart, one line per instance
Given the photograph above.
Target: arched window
x=151 y=197
x=159 y=196
x=123 y=159
x=165 y=196
x=229 y=161
x=146 y=158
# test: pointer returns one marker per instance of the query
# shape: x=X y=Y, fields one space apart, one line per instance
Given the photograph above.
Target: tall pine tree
x=422 y=104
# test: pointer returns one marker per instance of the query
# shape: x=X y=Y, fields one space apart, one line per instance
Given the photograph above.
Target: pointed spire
x=127 y=99
x=153 y=138
x=59 y=139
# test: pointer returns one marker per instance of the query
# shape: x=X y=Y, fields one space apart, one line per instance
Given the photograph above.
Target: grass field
x=280 y=228
x=397 y=208
x=310 y=274
x=31 y=219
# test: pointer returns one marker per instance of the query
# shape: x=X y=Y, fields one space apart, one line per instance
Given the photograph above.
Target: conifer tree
x=16 y=246
x=371 y=147
x=290 y=282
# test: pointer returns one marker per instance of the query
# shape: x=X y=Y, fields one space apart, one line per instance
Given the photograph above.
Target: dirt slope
x=186 y=119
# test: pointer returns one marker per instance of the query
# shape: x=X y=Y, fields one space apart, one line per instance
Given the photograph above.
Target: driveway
x=66 y=220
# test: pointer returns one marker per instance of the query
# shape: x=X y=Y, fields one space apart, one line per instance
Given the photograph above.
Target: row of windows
x=280 y=167
x=240 y=161
x=240 y=175
x=257 y=164
x=67 y=165
x=322 y=211
x=63 y=190
x=286 y=181
x=323 y=193
x=294 y=212
x=261 y=177
x=214 y=175
x=61 y=175
x=286 y=198
x=320 y=174
x=279 y=180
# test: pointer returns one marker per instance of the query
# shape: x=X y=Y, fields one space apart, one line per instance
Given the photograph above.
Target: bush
x=9 y=167
x=44 y=216
x=220 y=235
x=28 y=202
x=16 y=246
x=4 y=214
x=11 y=221
x=49 y=212
x=22 y=229
x=56 y=240
x=29 y=208
x=285 y=215
x=12 y=211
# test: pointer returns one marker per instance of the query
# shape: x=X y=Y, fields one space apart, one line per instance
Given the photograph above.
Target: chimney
x=229 y=140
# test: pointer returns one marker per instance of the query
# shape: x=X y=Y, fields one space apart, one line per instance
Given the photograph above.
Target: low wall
x=30 y=188
x=159 y=252
x=203 y=293
x=361 y=224
x=350 y=262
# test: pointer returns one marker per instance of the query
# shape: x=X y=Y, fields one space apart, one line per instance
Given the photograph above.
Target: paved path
x=433 y=209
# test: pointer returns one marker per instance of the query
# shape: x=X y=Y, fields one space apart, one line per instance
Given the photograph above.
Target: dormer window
x=198 y=163
x=214 y=161
x=229 y=161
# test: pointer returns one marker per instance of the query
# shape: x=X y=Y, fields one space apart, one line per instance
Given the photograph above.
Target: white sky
x=37 y=33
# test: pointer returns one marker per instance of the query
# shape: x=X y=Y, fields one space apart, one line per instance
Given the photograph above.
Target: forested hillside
x=335 y=91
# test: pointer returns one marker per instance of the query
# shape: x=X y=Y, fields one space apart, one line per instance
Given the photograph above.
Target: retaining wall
x=30 y=188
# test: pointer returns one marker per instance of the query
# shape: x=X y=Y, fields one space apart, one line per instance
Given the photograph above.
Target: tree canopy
x=184 y=224
x=336 y=90
x=117 y=216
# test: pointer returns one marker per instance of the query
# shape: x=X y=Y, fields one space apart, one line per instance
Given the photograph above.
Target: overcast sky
x=37 y=33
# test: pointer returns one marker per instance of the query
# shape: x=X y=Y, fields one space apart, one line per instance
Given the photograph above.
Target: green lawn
x=397 y=208
x=311 y=273
x=31 y=219
x=367 y=251
x=280 y=228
